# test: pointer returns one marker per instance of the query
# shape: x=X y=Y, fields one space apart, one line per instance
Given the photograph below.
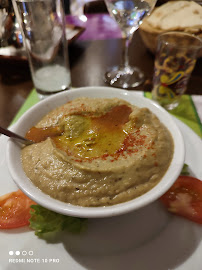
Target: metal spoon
x=15 y=136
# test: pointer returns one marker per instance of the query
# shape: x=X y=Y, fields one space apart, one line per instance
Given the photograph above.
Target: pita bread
x=177 y=15
x=184 y=16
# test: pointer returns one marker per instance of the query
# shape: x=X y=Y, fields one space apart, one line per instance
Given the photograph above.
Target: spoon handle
x=15 y=136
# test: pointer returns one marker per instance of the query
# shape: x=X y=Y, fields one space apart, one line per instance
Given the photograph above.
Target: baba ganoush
x=97 y=152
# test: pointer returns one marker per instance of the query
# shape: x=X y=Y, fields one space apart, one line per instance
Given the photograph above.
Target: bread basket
x=171 y=12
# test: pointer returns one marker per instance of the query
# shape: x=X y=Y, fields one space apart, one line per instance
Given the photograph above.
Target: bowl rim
x=33 y=115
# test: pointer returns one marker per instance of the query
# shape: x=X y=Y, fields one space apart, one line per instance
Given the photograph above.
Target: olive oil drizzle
x=88 y=137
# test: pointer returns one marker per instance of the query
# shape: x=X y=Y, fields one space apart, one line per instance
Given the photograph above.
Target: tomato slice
x=15 y=210
x=184 y=198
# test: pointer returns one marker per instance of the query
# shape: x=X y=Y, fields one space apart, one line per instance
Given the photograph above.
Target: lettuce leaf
x=45 y=221
x=185 y=170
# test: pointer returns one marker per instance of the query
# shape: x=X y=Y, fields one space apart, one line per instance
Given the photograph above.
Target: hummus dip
x=97 y=152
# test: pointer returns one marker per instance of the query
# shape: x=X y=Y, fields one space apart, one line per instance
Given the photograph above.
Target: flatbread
x=177 y=15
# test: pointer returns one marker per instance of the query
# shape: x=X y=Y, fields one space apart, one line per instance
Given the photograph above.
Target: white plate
x=145 y=239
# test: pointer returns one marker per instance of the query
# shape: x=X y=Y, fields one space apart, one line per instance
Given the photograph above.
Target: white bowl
x=34 y=114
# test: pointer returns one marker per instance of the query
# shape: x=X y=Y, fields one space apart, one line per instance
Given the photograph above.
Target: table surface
x=89 y=59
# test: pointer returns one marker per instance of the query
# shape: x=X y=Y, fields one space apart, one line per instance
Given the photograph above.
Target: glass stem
x=126 y=43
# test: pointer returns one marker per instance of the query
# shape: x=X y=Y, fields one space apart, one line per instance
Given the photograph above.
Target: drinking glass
x=129 y=14
x=176 y=56
x=42 y=24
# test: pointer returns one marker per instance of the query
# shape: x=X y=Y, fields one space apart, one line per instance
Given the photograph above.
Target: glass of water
x=42 y=24
x=129 y=14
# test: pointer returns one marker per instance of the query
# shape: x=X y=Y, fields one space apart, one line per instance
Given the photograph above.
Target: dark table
x=88 y=62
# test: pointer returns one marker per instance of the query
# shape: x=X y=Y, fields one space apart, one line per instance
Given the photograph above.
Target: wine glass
x=129 y=14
